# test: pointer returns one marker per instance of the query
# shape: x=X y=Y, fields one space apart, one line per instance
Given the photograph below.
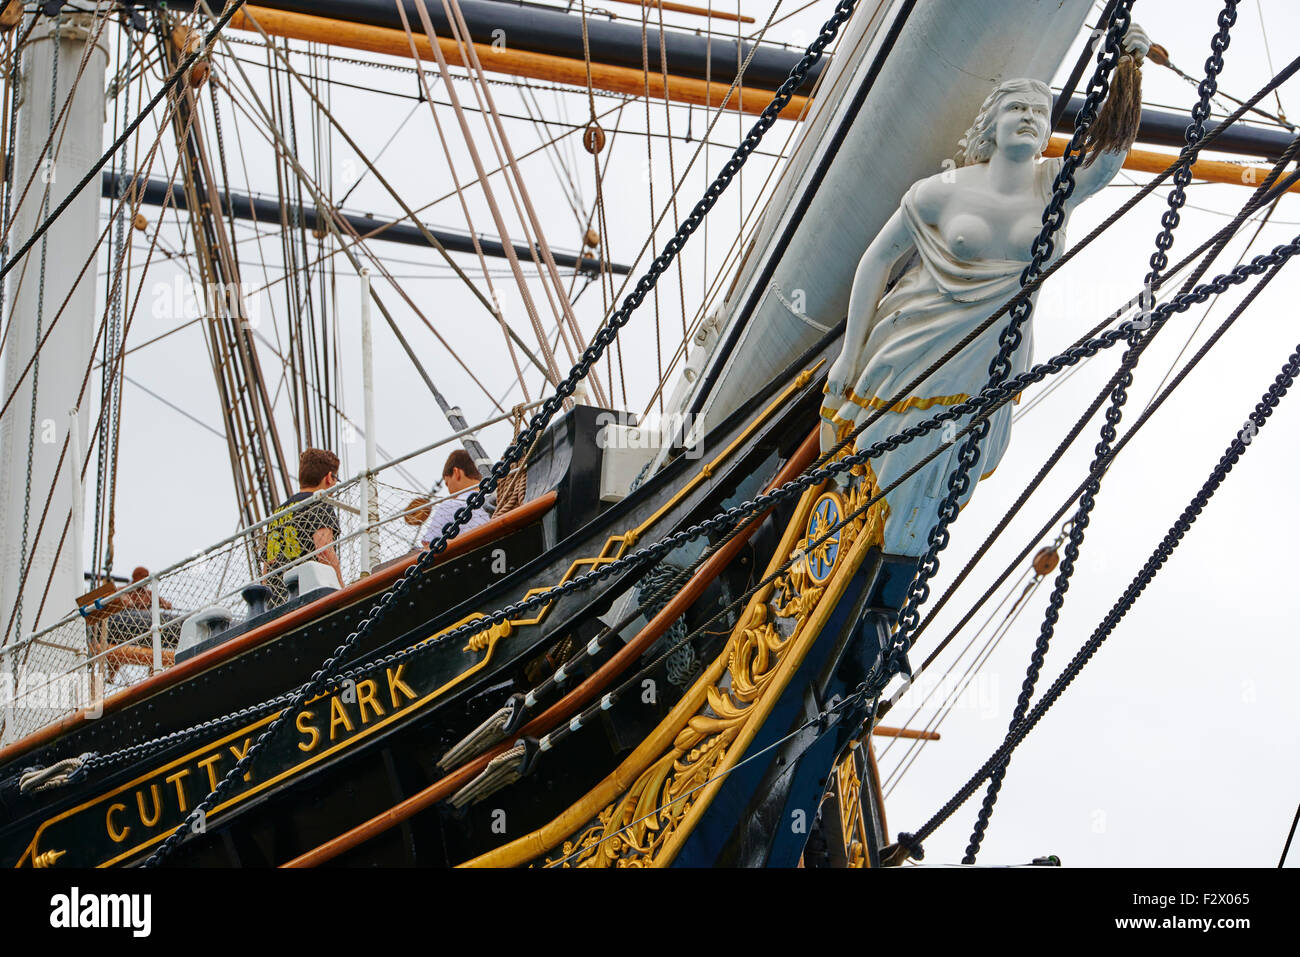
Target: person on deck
x=142 y=597
x=296 y=530
x=459 y=475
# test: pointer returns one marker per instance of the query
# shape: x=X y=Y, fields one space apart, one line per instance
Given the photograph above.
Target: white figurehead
x=957 y=245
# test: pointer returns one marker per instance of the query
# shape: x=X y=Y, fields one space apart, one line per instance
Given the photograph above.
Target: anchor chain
x=895 y=658
x=475 y=500
x=1164 y=241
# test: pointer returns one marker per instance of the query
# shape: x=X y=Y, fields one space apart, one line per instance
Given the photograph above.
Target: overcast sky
x=1177 y=745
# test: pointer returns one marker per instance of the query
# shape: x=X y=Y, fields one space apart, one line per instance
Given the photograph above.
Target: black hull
x=351 y=760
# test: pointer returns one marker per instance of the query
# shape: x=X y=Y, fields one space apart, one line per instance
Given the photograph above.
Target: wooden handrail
x=575 y=700
x=357 y=591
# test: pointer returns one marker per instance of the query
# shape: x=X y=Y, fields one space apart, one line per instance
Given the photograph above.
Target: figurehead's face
x=1014 y=119
x=1020 y=124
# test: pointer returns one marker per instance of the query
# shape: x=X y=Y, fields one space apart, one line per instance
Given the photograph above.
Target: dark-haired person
x=459 y=475
x=295 y=532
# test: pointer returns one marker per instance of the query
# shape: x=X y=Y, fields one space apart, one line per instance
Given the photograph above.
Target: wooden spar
x=1213 y=171
x=536 y=66
x=618 y=79
x=687 y=8
x=883 y=732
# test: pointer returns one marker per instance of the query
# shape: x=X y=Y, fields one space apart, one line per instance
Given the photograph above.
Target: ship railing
x=132 y=634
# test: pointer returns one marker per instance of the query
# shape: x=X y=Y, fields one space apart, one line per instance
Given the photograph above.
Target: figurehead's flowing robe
x=937 y=301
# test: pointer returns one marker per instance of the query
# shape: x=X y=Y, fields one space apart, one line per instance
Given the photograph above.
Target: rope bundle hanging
x=1159 y=260
x=1009 y=340
x=652 y=594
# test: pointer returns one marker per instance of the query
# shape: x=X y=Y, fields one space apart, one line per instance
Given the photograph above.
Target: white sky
x=1176 y=746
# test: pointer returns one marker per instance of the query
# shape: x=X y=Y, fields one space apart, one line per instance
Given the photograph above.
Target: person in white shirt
x=460 y=476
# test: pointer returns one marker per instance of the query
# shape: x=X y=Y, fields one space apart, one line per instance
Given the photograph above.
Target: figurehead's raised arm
x=1116 y=125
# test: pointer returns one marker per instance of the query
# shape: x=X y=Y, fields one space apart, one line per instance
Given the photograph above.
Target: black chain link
x=911 y=842
x=474 y=501
x=1009 y=341
x=723 y=522
x=1164 y=241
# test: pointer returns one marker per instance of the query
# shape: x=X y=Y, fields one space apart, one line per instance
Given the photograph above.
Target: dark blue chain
x=911 y=842
x=984 y=403
x=537 y=423
x=1010 y=339
x=1164 y=241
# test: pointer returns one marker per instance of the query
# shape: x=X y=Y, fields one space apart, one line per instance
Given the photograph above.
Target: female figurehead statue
x=962 y=239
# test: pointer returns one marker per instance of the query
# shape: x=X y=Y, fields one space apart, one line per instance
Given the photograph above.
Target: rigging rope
x=531 y=225
x=987 y=401
x=24 y=560
x=608 y=332
x=177 y=75
x=1222 y=236
x=1286 y=848
x=1227 y=231
x=688 y=234
x=1137 y=345
x=1151 y=408
x=950 y=700
x=469 y=221
x=1010 y=339
x=909 y=844
x=111 y=392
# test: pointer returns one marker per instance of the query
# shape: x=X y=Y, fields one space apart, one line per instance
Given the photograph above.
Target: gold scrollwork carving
x=848 y=794
x=634 y=829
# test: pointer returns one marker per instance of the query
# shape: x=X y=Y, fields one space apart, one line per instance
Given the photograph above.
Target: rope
x=1286 y=848
x=683 y=665
x=1159 y=260
x=724 y=522
x=87 y=50
x=528 y=215
x=1055 y=457
x=24 y=560
x=936 y=720
x=1009 y=340
x=556 y=736
x=606 y=335
x=514 y=487
x=35 y=780
x=520 y=198
x=113 y=382
x=530 y=307
x=910 y=844
x=85 y=380
x=99 y=164
x=1227 y=231
x=469 y=219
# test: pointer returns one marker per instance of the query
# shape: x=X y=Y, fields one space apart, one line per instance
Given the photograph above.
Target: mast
x=257 y=460
x=34 y=433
